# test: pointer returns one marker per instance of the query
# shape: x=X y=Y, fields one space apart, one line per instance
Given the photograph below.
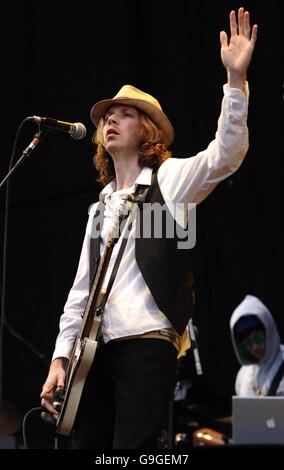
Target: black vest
x=165 y=268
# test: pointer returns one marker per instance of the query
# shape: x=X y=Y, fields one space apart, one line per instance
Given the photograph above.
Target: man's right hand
x=55 y=380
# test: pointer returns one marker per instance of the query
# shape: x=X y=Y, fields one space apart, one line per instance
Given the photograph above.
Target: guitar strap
x=97 y=223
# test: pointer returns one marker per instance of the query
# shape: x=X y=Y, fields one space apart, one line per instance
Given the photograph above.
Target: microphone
x=77 y=130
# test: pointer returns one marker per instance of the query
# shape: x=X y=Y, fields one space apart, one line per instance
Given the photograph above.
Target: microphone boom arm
x=36 y=140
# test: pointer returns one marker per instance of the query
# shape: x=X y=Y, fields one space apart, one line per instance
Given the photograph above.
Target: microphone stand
x=36 y=140
x=7 y=412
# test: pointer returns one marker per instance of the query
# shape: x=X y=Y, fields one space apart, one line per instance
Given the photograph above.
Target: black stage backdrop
x=57 y=60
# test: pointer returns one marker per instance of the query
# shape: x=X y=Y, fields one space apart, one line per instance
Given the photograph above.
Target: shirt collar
x=144 y=178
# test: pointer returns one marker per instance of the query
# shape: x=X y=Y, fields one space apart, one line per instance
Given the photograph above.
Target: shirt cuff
x=236 y=92
x=63 y=350
x=237 y=100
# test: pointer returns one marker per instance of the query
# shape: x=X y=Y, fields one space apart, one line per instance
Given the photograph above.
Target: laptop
x=258 y=420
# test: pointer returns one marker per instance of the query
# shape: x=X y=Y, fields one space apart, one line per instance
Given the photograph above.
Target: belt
x=167 y=335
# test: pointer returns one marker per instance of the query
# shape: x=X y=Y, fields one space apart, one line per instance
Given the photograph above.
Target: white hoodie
x=255 y=379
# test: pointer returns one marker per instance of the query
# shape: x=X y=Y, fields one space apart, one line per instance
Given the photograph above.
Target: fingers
x=48 y=406
x=233 y=23
x=223 y=39
x=46 y=398
x=48 y=395
x=246 y=25
x=254 y=34
x=241 y=21
x=47 y=390
x=242 y=27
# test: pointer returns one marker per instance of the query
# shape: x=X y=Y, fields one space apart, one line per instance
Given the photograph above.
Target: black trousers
x=126 y=395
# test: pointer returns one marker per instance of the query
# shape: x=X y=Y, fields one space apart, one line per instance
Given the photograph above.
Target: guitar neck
x=90 y=319
x=96 y=292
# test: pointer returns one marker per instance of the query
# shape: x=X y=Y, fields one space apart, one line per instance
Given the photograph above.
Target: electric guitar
x=84 y=349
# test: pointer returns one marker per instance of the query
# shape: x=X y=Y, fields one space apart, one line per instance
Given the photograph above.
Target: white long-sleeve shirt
x=131 y=309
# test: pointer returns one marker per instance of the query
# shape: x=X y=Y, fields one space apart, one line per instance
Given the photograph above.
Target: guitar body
x=82 y=357
x=80 y=367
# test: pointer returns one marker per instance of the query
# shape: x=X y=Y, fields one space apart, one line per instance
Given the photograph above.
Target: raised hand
x=236 y=51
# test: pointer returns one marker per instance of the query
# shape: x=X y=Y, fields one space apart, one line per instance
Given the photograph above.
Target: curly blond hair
x=153 y=151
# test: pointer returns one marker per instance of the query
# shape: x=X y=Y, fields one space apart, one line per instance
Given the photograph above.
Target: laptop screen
x=258 y=420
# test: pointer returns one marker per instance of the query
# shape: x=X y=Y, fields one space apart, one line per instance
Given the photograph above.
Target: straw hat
x=130 y=95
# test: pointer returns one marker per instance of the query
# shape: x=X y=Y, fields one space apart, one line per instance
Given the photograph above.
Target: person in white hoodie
x=257 y=346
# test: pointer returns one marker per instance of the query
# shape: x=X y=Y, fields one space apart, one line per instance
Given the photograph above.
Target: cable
x=3 y=318
x=2 y=313
x=37 y=408
x=49 y=420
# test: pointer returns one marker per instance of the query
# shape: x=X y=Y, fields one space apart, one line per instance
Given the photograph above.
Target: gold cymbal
x=10 y=419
